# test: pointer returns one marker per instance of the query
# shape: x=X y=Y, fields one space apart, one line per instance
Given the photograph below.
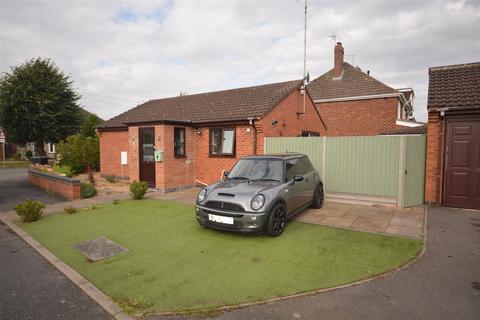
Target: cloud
x=120 y=53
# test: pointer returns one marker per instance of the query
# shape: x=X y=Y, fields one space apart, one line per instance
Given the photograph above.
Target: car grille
x=224 y=206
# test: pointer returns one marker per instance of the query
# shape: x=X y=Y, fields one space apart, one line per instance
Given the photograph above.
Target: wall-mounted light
x=199 y=131
x=274 y=122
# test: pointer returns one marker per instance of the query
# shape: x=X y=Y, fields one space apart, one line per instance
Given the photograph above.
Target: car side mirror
x=225 y=174
x=298 y=178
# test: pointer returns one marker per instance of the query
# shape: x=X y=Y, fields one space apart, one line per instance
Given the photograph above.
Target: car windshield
x=257 y=169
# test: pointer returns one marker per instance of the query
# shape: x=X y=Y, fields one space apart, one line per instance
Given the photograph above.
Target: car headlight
x=257 y=202
x=201 y=195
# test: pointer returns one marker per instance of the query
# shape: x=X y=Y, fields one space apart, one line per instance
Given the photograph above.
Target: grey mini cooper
x=260 y=194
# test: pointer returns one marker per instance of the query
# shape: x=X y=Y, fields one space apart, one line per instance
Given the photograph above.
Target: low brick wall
x=64 y=186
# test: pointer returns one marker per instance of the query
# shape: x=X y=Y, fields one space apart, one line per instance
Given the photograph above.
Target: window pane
x=227 y=141
x=147 y=146
x=293 y=168
x=215 y=140
x=179 y=141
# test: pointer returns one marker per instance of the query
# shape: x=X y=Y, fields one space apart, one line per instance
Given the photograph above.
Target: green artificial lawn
x=173 y=264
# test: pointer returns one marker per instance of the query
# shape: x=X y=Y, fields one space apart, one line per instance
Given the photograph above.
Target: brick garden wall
x=66 y=187
x=360 y=117
x=433 y=170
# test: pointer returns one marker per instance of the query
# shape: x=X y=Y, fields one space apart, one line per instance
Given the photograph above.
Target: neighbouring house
x=49 y=148
x=353 y=103
x=453 y=140
x=177 y=142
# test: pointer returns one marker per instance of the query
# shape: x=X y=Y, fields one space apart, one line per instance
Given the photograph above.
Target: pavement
x=30 y=287
x=443 y=284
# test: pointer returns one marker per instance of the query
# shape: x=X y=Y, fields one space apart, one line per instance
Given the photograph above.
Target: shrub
x=87 y=190
x=116 y=201
x=111 y=179
x=80 y=153
x=17 y=156
x=30 y=210
x=138 y=189
x=29 y=154
x=70 y=210
x=65 y=170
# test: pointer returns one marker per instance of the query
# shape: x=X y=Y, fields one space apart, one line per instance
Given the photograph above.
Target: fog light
x=253 y=218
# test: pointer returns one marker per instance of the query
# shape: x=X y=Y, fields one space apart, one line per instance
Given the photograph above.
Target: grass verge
x=173 y=264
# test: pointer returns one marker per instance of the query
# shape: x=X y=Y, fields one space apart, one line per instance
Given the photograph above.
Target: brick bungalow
x=353 y=103
x=453 y=141
x=195 y=137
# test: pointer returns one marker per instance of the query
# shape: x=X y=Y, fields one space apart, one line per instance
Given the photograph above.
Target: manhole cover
x=99 y=249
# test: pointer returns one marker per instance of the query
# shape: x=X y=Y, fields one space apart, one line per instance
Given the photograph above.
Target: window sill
x=221 y=155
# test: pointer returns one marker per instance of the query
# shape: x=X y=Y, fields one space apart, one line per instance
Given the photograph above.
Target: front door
x=147 y=156
x=462 y=164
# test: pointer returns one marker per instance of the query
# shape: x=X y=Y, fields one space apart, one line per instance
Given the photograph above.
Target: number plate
x=215 y=218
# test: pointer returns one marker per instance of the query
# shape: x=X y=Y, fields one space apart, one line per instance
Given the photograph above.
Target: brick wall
x=209 y=169
x=66 y=187
x=360 y=117
x=112 y=143
x=133 y=153
x=433 y=171
x=174 y=173
x=291 y=120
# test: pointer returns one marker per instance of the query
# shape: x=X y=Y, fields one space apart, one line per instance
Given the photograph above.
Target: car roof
x=277 y=156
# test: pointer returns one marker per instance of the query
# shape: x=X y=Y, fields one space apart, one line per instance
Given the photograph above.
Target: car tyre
x=277 y=220
x=318 y=197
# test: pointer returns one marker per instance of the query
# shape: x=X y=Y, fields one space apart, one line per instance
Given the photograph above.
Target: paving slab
x=375 y=224
x=338 y=222
x=399 y=222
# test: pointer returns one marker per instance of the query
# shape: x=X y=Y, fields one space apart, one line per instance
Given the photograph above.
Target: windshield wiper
x=265 y=179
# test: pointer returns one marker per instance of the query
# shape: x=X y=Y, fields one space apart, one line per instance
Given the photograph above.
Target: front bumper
x=247 y=222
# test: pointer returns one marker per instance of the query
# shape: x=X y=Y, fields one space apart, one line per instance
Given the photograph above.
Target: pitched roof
x=353 y=83
x=219 y=106
x=455 y=86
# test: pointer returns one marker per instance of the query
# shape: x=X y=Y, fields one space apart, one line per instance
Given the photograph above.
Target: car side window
x=293 y=168
x=306 y=165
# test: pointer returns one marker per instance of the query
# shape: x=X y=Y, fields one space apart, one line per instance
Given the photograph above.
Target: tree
x=80 y=154
x=88 y=128
x=38 y=104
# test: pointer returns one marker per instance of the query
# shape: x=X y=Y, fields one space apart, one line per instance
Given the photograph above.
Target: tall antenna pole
x=305 y=60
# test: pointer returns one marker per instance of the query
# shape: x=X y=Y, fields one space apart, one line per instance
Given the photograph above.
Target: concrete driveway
x=14 y=188
x=443 y=284
x=30 y=287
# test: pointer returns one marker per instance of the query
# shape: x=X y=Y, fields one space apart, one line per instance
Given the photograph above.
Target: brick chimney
x=338 y=62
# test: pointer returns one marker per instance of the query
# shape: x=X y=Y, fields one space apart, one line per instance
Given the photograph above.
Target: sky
x=121 y=53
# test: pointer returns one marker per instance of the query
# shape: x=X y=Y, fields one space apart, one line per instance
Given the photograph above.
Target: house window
x=222 y=141
x=310 y=134
x=179 y=142
x=51 y=148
